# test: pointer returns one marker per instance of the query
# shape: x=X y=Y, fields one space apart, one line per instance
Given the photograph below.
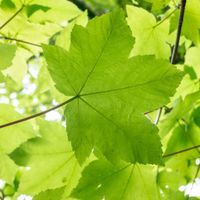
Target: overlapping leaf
x=10 y=139
x=111 y=92
x=191 y=23
x=182 y=108
x=51 y=160
x=157 y=5
x=103 y=180
x=146 y=32
x=192 y=59
x=39 y=18
x=56 y=194
x=7 y=53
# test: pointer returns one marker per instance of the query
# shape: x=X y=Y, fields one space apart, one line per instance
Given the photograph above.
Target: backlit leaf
x=111 y=92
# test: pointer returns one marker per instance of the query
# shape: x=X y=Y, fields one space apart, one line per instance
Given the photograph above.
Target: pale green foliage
x=37 y=28
x=56 y=194
x=7 y=52
x=113 y=74
x=157 y=5
x=173 y=180
x=182 y=108
x=8 y=168
x=11 y=138
x=192 y=59
x=147 y=31
x=191 y=24
x=59 y=11
x=63 y=40
x=50 y=158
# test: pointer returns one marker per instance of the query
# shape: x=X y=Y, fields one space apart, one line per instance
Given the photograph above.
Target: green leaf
x=103 y=180
x=112 y=92
x=191 y=59
x=8 y=168
x=196 y=116
x=10 y=138
x=186 y=87
x=33 y=8
x=157 y=5
x=60 y=11
x=182 y=108
x=64 y=38
x=1 y=77
x=18 y=69
x=191 y=23
x=7 y=4
x=183 y=137
x=55 y=194
x=13 y=135
x=7 y=53
x=170 y=181
x=51 y=160
x=146 y=31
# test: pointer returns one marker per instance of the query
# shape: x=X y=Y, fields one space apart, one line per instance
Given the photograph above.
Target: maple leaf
x=111 y=92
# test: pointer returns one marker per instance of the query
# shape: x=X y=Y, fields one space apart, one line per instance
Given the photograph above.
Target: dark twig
x=158 y=116
x=37 y=114
x=19 y=40
x=178 y=35
x=12 y=17
x=181 y=151
x=165 y=18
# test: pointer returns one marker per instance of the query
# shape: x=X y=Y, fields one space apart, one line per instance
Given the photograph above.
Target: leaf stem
x=12 y=17
x=37 y=114
x=158 y=116
x=19 y=40
x=178 y=35
x=165 y=18
x=181 y=151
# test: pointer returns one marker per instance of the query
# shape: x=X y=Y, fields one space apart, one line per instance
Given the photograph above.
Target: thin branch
x=12 y=17
x=158 y=116
x=178 y=35
x=37 y=114
x=181 y=151
x=165 y=18
x=19 y=40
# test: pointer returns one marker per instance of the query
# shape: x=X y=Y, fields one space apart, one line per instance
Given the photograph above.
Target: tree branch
x=19 y=40
x=165 y=18
x=37 y=114
x=12 y=17
x=181 y=151
x=178 y=35
x=64 y=103
x=158 y=116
